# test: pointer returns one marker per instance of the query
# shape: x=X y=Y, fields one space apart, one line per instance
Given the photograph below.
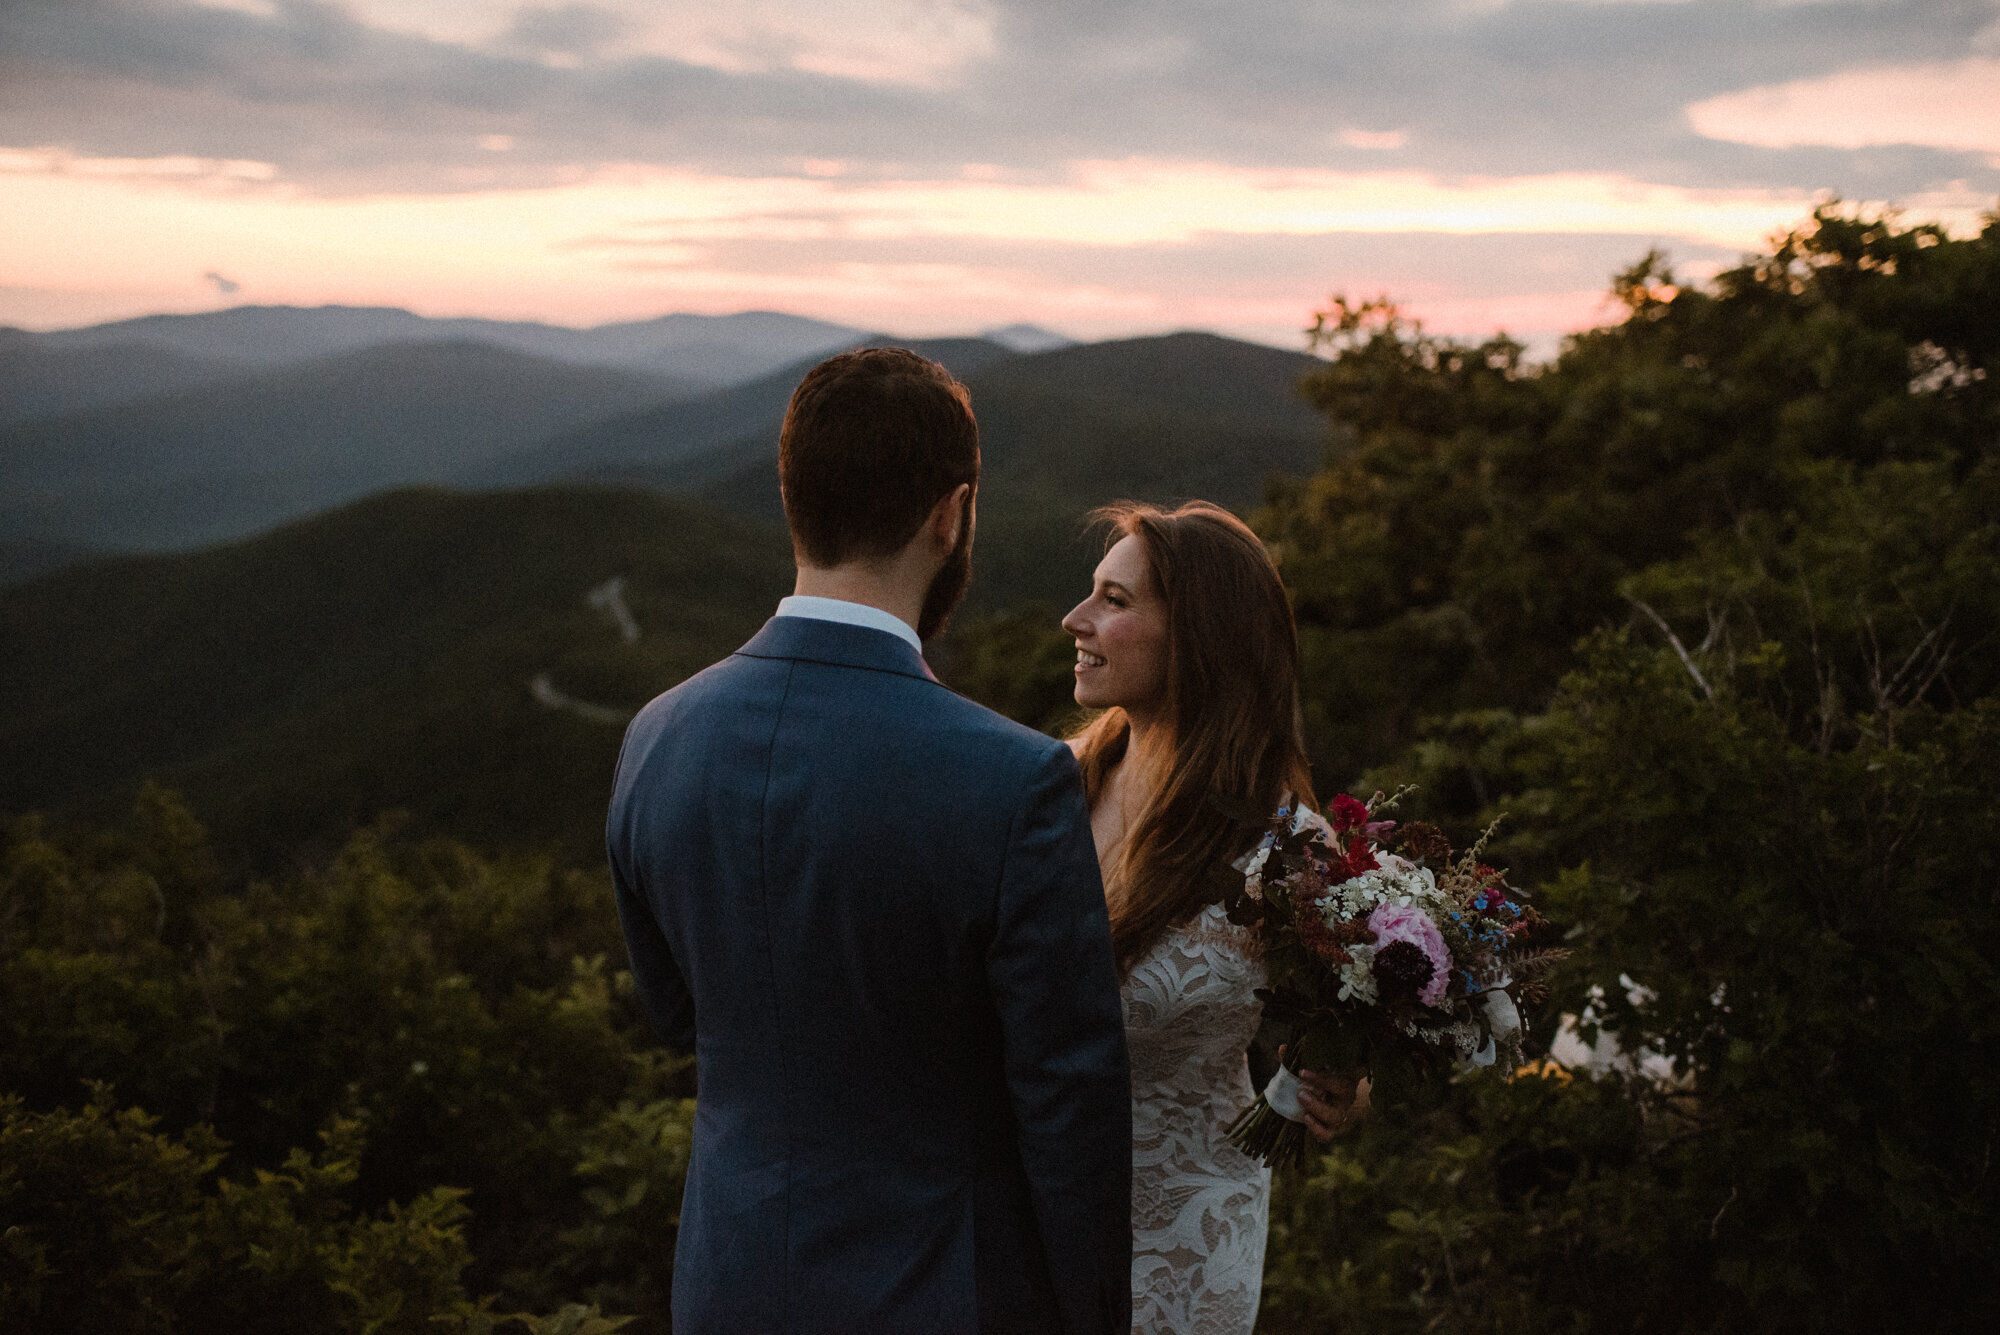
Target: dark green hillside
x=376 y=657
x=1203 y=375
x=221 y=460
x=25 y=560
x=1158 y=419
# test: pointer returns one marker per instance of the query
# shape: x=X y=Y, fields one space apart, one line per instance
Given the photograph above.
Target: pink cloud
x=1954 y=105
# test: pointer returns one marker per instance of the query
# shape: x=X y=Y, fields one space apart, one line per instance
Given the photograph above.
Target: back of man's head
x=872 y=441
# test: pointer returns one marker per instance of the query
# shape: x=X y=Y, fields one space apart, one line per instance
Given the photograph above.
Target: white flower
x=1357 y=977
x=1252 y=864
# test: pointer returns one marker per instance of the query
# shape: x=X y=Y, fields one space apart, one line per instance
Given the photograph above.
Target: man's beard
x=948 y=586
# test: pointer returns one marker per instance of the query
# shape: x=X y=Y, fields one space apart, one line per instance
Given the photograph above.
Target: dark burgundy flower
x=1401 y=970
x=1425 y=842
x=1347 y=814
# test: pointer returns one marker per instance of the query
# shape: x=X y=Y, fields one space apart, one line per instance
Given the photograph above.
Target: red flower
x=1348 y=814
x=1358 y=856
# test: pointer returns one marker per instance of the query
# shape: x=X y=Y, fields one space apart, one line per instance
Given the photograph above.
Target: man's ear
x=947 y=515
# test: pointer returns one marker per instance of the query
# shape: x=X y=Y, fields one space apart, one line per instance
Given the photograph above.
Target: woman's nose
x=1074 y=622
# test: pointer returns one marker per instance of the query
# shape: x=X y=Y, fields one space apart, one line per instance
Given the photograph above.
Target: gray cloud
x=570 y=30
x=1479 y=88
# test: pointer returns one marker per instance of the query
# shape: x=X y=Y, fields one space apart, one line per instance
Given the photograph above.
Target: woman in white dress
x=1186 y=643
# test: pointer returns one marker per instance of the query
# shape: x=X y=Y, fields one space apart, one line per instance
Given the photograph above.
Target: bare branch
x=1707 y=691
x=1822 y=675
x=1717 y=620
x=1716 y=1222
x=1938 y=658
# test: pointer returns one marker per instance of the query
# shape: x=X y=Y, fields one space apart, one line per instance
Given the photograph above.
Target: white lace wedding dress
x=1200 y=1206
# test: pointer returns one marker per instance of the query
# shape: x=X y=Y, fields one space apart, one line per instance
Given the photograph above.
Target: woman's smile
x=1125 y=619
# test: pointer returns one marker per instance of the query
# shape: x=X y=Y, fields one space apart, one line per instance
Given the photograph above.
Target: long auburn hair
x=1231 y=711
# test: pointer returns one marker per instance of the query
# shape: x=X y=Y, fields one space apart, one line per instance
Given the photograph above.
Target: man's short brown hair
x=872 y=441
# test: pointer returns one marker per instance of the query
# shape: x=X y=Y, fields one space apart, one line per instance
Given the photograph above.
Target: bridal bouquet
x=1405 y=962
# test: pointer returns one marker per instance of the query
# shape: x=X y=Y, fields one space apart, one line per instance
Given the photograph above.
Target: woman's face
x=1121 y=634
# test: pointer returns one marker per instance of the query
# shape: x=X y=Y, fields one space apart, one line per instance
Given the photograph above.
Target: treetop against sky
x=934 y=165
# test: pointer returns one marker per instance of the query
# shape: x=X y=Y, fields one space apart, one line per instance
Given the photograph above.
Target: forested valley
x=1705 y=610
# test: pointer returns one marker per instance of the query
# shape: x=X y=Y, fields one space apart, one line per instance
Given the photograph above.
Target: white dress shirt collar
x=848 y=614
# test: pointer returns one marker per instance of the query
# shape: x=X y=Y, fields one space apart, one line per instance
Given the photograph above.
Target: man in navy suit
x=872 y=909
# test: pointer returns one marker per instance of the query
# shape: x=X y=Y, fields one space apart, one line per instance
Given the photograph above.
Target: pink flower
x=1396 y=922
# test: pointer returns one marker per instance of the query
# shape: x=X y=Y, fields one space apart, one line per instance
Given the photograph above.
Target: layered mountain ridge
x=466 y=654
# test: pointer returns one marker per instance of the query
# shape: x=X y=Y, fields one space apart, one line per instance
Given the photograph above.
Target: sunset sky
x=933 y=166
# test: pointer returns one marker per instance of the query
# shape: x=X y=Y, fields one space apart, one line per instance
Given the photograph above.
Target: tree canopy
x=1483 y=514
x=1707 y=608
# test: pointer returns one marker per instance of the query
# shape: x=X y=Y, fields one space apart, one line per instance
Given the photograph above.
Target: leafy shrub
x=114 y=1226
x=461 y=1009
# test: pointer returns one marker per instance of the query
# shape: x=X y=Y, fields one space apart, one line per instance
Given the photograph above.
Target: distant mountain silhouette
x=1062 y=430
x=685 y=446
x=224 y=459
x=715 y=349
x=1027 y=338
x=463 y=657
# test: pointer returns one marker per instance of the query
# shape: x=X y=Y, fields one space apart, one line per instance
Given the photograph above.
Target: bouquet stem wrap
x=1283 y=1096
x=1273 y=1128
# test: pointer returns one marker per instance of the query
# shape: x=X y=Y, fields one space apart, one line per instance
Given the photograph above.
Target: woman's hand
x=1333 y=1101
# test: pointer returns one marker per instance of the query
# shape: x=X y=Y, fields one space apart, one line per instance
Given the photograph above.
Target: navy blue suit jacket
x=872 y=910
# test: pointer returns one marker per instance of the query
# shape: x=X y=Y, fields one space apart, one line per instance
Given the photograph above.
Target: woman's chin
x=1091 y=699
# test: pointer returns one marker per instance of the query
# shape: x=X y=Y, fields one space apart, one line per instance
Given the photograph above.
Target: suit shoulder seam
x=857 y=667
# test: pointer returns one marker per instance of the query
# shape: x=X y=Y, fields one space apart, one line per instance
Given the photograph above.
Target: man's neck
x=882 y=586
